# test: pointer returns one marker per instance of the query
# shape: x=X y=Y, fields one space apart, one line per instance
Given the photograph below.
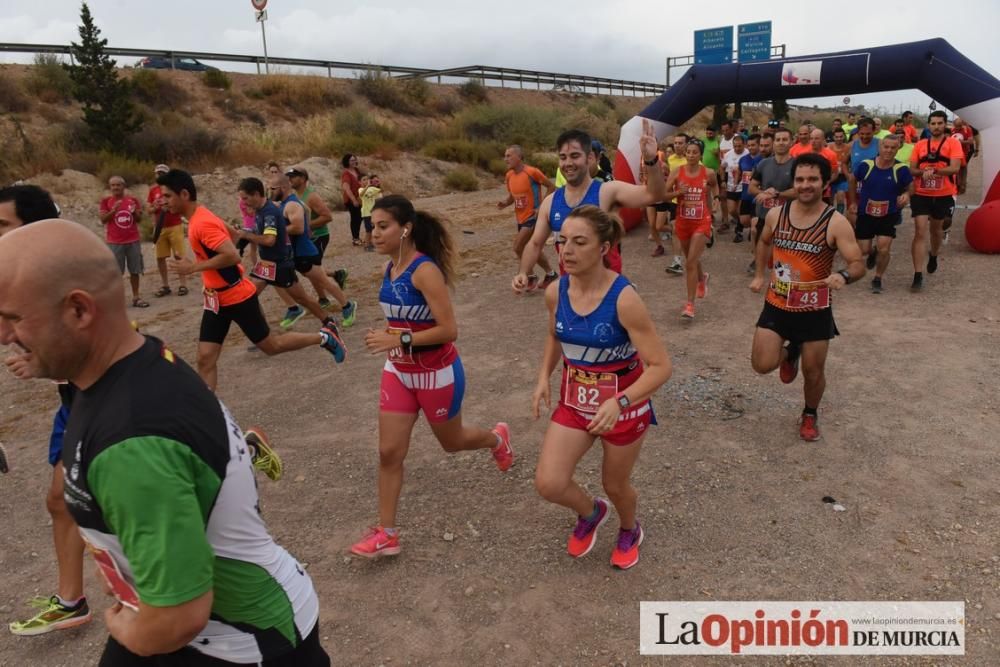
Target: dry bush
x=175 y=138
x=416 y=138
x=48 y=80
x=383 y=91
x=131 y=169
x=464 y=151
x=462 y=179
x=475 y=91
x=22 y=158
x=547 y=163
x=14 y=99
x=304 y=93
x=533 y=127
x=215 y=78
x=157 y=90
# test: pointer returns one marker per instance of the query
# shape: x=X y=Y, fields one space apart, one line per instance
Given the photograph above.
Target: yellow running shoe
x=263 y=456
x=53 y=615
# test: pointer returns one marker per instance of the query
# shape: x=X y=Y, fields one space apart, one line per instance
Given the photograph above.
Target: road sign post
x=261 y=15
x=754 y=41
x=713 y=46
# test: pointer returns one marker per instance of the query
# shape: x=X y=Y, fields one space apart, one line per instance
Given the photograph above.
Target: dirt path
x=729 y=496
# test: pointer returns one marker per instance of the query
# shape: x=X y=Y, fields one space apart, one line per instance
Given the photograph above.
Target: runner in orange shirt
x=695 y=191
x=935 y=162
x=802 y=144
x=801 y=238
x=524 y=190
x=228 y=296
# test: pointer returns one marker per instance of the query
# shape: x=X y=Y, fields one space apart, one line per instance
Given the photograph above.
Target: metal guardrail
x=505 y=75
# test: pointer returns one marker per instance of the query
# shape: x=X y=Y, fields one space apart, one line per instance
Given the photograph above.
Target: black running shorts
x=247 y=315
x=801 y=327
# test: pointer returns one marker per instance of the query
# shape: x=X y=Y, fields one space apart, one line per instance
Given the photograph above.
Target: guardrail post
x=256 y=62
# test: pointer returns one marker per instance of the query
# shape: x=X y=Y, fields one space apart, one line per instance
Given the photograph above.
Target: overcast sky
x=627 y=39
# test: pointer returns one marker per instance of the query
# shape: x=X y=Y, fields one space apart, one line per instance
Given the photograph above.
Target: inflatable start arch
x=933 y=66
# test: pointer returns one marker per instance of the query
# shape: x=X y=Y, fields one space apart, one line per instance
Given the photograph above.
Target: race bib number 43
x=808 y=296
x=585 y=391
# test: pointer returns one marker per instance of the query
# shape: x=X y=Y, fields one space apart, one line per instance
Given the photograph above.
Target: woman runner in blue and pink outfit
x=613 y=361
x=423 y=370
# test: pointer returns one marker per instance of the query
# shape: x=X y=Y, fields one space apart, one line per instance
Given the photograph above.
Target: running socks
x=71 y=604
x=391 y=532
x=809 y=411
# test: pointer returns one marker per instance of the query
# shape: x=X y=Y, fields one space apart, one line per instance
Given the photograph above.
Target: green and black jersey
x=159 y=476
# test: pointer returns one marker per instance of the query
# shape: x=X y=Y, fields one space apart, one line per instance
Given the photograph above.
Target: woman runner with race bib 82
x=613 y=361
x=423 y=371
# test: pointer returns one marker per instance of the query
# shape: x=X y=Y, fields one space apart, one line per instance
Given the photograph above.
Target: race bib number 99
x=585 y=391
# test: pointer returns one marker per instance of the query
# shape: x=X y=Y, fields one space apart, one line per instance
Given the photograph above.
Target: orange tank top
x=801 y=258
x=693 y=204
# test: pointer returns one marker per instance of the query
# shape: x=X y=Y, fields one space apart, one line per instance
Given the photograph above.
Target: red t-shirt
x=206 y=232
x=352 y=184
x=798 y=149
x=122 y=227
x=169 y=219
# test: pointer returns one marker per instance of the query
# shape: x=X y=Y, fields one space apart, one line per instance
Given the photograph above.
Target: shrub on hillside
x=175 y=138
x=304 y=93
x=462 y=179
x=215 y=78
x=418 y=137
x=528 y=126
x=48 y=80
x=356 y=122
x=156 y=90
x=13 y=99
x=547 y=163
x=383 y=91
x=133 y=170
x=418 y=91
x=464 y=151
x=474 y=90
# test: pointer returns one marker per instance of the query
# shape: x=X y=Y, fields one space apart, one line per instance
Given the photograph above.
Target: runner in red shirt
x=120 y=215
x=168 y=234
x=228 y=296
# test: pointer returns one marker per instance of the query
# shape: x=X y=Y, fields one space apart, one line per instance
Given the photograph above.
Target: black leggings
x=355 y=212
x=308 y=654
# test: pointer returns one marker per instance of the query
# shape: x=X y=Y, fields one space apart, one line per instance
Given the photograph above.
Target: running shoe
x=292 y=315
x=752 y=266
x=503 y=454
x=532 y=283
x=738 y=235
x=376 y=543
x=549 y=279
x=331 y=342
x=918 y=282
x=703 y=286
x=325 y=303
x=789 y=369
x=688 y=311
x=724 y=227
x=264 y=458
x=658 y=251
x=666 y=235
x=348 y=313
x=809 y=428
x=52 y=615
x=340 y=277
x=931 y=263
x=711 y=238
x=876 y=285
x=872 y=258
x=676 y=268
x=581 y=540
x=626 y=553
x=4 y=466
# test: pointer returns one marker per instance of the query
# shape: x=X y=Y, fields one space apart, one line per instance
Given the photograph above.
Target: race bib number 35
x=585 y=391
x=808 y=296
x=877 y=209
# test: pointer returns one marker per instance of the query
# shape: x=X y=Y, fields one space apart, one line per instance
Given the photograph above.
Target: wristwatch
x=623 y=401
x=845 y=275
x=650 y=163
x=406 y=341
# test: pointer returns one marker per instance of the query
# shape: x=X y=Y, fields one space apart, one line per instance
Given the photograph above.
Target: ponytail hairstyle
x=428 y=233
x=607 y=226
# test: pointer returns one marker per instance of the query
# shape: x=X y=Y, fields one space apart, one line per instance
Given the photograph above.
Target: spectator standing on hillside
x=120 y=214
x=168 y=234
x=350 y=181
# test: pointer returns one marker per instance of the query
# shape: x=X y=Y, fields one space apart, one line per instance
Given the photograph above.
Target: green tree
x=779 y=109
x=107 y=107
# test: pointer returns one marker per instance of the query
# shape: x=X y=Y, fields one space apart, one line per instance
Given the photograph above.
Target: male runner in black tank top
x=803 y=236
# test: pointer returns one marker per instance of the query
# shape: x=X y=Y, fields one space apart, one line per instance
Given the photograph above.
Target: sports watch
x=406 y=341
x=845 y=275
x=623 y=401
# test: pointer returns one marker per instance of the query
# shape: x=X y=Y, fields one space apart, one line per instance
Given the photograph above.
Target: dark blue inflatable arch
x=933 y=66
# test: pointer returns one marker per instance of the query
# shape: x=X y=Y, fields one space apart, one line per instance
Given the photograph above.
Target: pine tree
x=107 y=107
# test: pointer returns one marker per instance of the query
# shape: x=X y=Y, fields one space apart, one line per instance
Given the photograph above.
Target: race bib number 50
x=585 y=391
